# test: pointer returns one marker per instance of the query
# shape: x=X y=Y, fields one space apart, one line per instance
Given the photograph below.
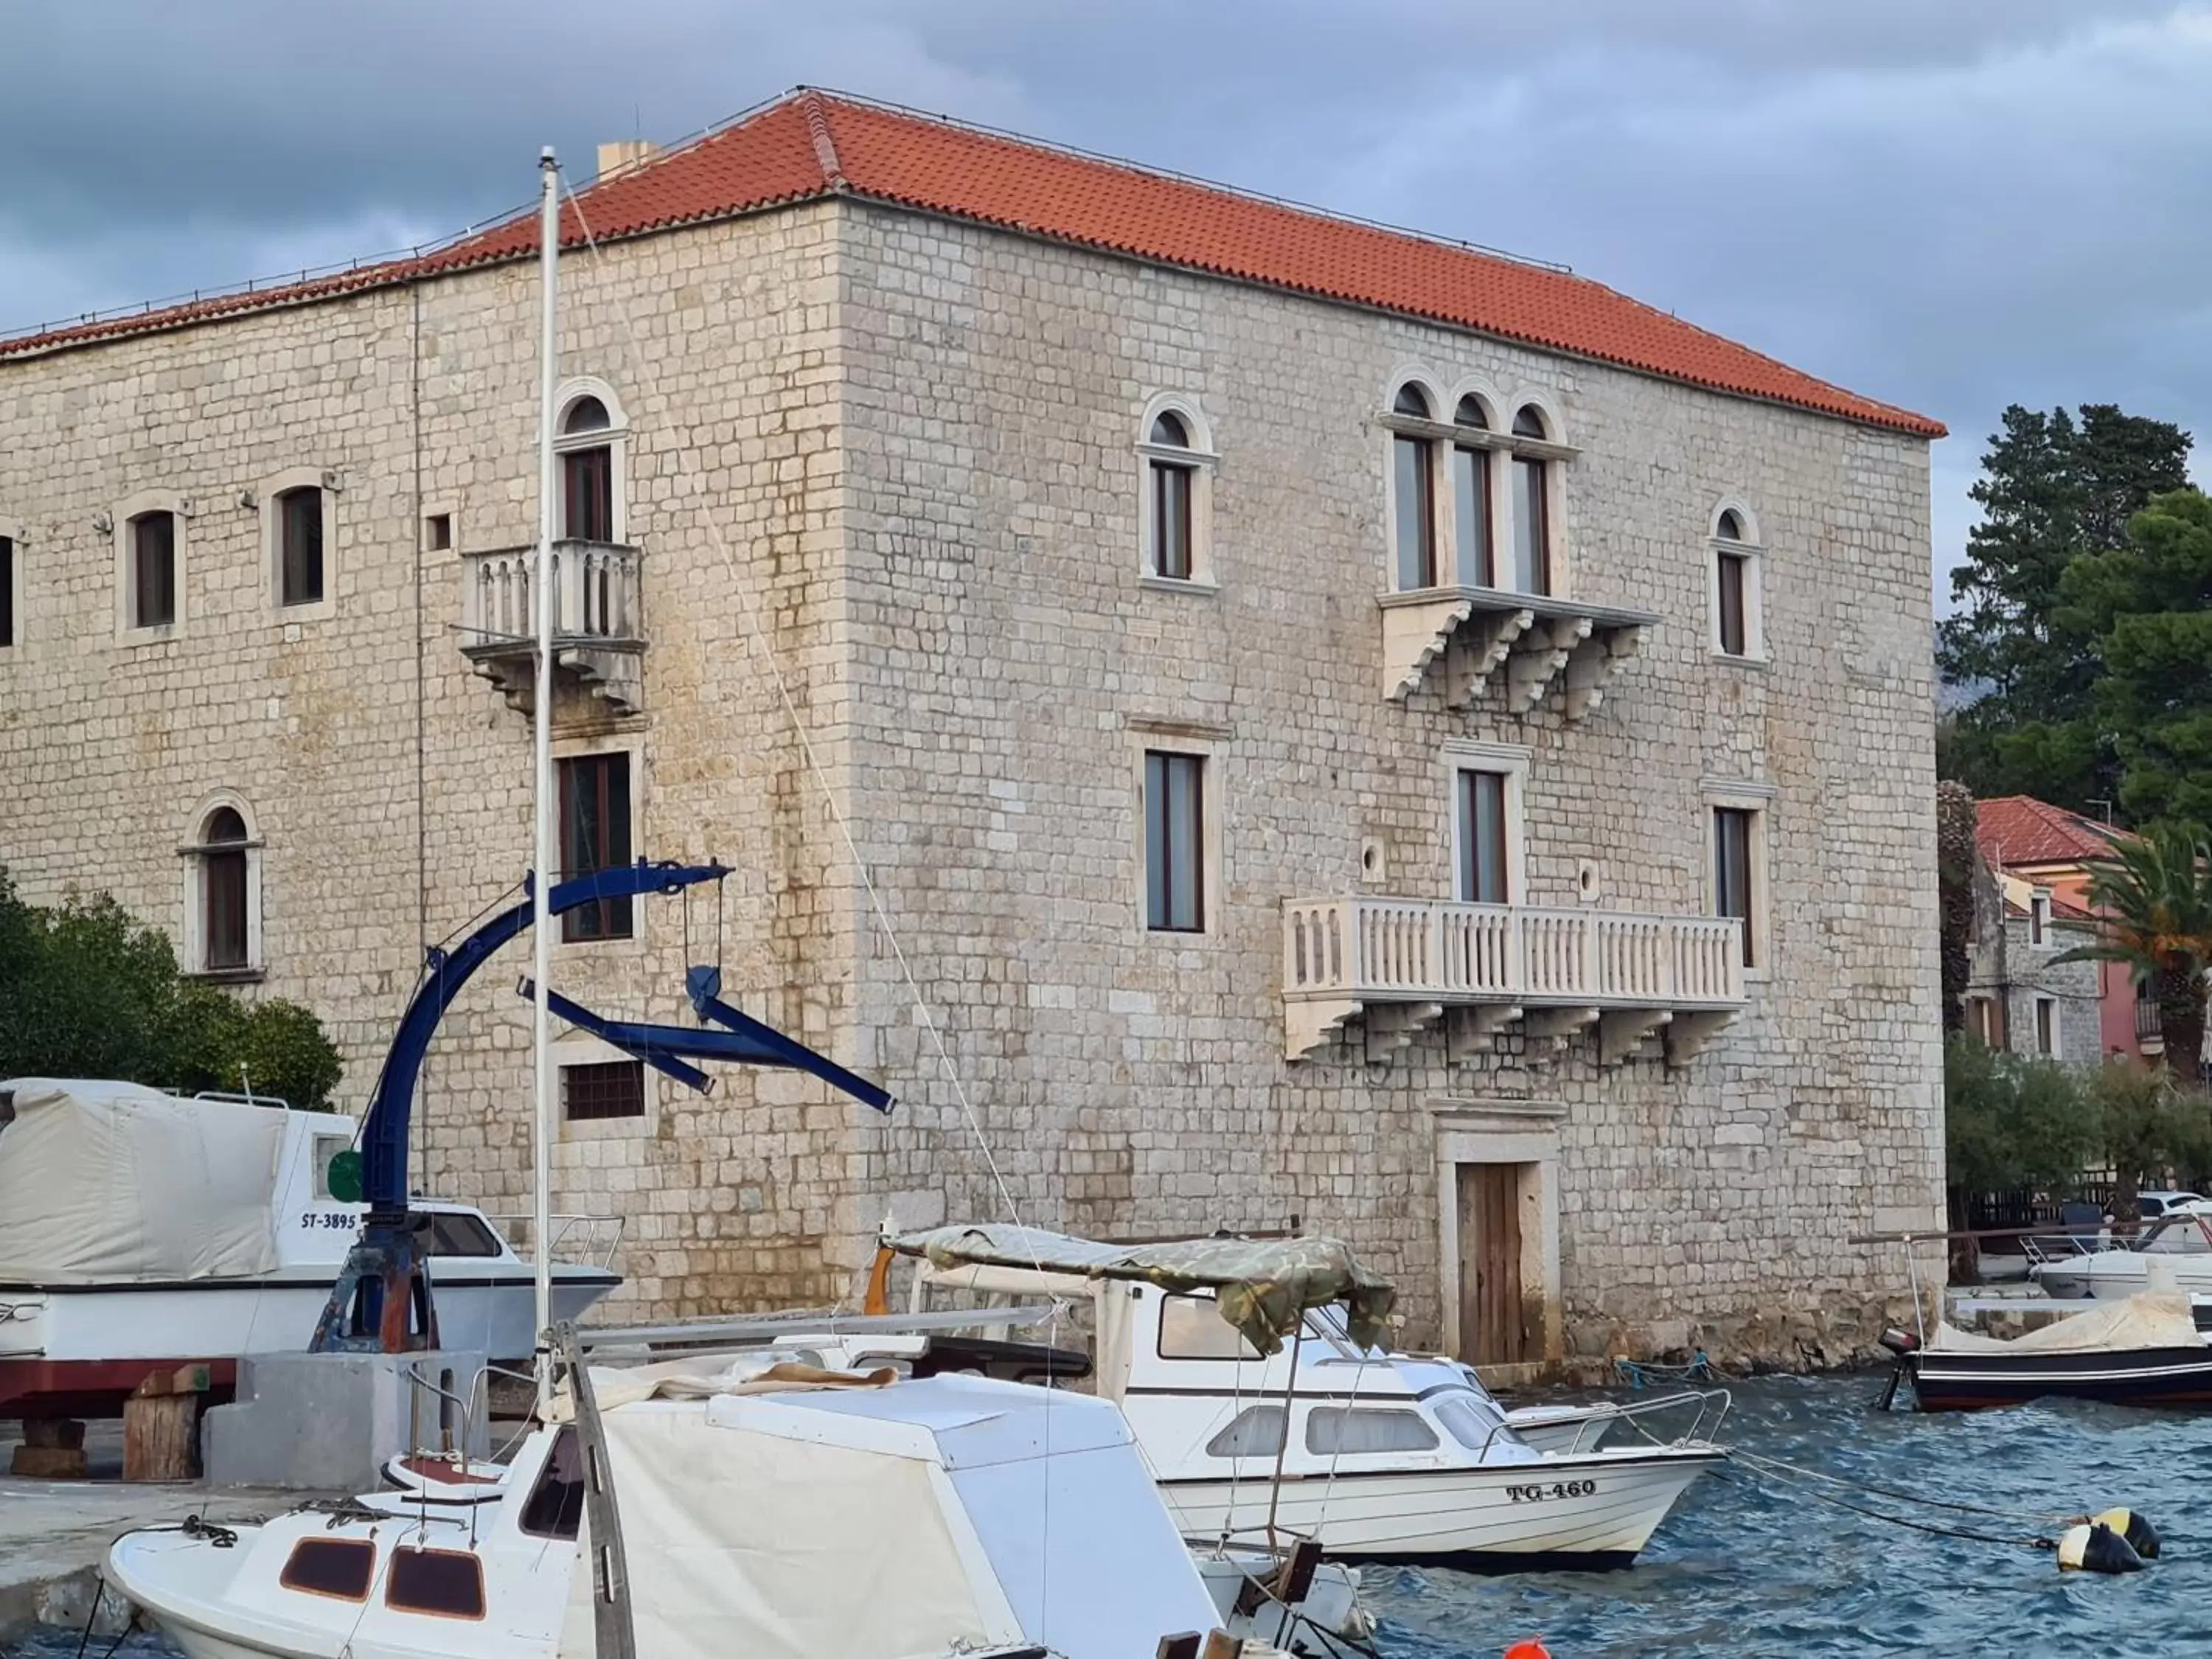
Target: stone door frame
x=1521 y=1132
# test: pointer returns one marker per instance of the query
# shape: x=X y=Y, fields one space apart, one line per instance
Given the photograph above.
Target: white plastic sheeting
x=2140 y=1321
x=885 y=1523
x=118 y=1183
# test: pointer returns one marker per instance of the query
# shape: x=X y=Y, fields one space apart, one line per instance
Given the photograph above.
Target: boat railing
x=580 y=1240
x=1712 y=1410
x=463 y=1407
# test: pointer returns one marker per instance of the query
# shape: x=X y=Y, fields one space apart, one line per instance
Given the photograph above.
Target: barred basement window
x=612 y=1089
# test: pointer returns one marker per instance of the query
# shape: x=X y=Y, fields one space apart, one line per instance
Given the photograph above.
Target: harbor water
x=1752 y=1564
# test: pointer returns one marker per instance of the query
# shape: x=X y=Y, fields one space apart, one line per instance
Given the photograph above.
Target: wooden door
x=1492 y=1328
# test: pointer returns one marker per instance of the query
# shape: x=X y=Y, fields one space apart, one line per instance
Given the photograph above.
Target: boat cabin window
x=556 y=1501
x=445 y=1583
x=339 y=1567
x=323 y=1149
x=460 y=1235
x=1256 y=1431
x=1331 y=1429
x=1469 y=1420
x=1192 y=1328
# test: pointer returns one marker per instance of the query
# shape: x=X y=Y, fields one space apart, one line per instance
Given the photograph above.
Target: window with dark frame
x=1729 y=573
x=595 y=809
x=154 y=570
x=587 y=476
x=2046 y=1026
x=300 y=545
x=7 y=591
x=1482 y=850
x=222 y=856
x=1413 y=479
x=1732 y=872
x=609 y=1089
x=1532 y=510
x=1175 y=843
x=1471 y=501
x=1171 y=503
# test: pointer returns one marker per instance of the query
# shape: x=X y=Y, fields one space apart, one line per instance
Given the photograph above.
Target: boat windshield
x=1471 y=1419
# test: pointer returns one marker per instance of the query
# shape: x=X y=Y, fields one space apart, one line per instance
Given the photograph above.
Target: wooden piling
x=161 y=1426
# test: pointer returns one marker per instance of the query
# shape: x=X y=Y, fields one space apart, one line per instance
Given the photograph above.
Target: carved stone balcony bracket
x=1537 y=640
x=1399 y=967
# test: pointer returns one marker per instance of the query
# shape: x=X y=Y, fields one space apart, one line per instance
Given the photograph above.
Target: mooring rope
x=1775 y=1465
x=2035 y=1542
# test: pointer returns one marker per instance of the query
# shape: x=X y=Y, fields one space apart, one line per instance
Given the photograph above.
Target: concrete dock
x=54 y=1535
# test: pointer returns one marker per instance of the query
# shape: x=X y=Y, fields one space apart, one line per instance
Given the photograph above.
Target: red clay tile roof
x=811 y=145
x=2019 y=829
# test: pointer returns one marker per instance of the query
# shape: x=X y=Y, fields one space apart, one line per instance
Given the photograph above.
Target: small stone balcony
x=599 y=634
x=1401 y=965
x=1530 y=645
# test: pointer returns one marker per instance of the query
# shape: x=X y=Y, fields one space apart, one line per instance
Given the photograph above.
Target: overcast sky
x=1951 y=204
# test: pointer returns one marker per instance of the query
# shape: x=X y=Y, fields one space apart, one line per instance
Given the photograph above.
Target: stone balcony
x=1401 y=965
x=1530 y=645
x=598 y=634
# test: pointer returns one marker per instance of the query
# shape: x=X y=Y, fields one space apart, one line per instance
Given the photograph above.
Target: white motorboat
x=1587 y=1425
x=139 y=1230
x=764 y=1510
x=1379 y=1456
x=2172 y=1252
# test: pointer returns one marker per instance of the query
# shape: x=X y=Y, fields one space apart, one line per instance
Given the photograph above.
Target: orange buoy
x=1531 y=1648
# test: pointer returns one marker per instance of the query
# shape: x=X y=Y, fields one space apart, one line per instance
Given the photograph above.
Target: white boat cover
x=2140 y=1322
x=1262 y=1286
x=703 y=1376
x=923 y=1519
x=118 y=1183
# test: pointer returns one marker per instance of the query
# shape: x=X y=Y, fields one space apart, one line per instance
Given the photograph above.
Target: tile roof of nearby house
x=811 y=145
x=2019 y=829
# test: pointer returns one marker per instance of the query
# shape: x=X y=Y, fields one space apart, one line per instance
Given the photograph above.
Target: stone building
x=2023 y=995
x=1337 y=725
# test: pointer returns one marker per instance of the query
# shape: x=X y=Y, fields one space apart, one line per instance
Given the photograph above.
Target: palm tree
x=2153 y=900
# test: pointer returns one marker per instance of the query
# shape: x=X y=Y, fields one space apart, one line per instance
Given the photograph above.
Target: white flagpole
x=541 y=1218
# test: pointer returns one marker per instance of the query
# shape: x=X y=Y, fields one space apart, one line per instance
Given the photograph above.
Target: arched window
x=587 y=443
x=1532 y=508
x=223 y=934
x=1415 y=492
x=1171 y=499
x=1471 y=498
x=1738 y=569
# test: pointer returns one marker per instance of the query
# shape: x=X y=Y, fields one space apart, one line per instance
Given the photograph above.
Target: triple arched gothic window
x=1470 y=505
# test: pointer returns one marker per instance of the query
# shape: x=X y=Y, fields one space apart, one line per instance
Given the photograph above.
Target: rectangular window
x=1471 y=501
x=615 y=1089
x=1192 y=1328
x=7 y=591
x=1532 y=530
x=153 y=570
x=223 y=924
x=2046 y=1026
x=1734 y=640
x=1175 y=843
x=1732 y=871
x=595 y=835
x=588 y=497
x=438 y=533
x=1482 y=855
x=2038 y=917
x=1172 y=520
x=300 y=542
x=1417 y=528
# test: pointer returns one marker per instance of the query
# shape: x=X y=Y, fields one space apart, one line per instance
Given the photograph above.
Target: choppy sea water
x=1750 y=1566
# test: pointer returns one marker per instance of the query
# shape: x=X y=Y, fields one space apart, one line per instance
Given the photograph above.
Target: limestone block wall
x=1010 y=668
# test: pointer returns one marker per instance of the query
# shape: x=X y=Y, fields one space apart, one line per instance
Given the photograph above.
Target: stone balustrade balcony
x=1401 y=965
x=599 y=634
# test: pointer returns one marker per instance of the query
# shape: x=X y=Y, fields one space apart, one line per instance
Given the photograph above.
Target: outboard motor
x=1901 y=1343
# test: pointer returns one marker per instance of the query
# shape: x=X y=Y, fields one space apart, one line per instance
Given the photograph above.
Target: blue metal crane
x=382 y=1301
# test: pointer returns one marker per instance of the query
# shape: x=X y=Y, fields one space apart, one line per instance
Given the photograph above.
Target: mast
x=541 y=886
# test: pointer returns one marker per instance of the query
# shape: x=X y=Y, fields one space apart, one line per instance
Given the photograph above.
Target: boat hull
x=2137 y=1377
x=1578 y=1513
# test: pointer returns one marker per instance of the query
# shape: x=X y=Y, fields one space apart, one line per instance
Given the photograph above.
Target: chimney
x=625 y=156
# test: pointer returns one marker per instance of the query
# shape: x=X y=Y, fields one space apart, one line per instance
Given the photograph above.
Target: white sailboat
x=1379 y=1456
